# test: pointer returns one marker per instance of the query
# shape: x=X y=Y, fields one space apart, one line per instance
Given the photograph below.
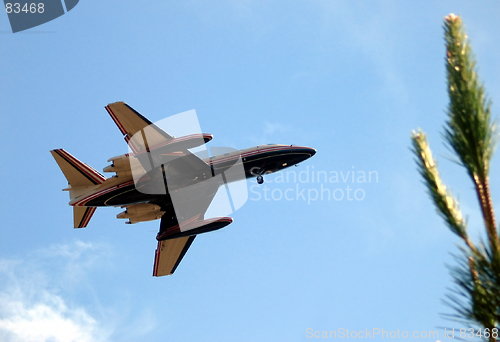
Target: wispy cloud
x=374 y=37
x=272 y=132
x=271 y=128
x=32 y=303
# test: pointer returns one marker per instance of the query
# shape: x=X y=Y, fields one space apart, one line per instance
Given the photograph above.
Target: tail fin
x=80 y=178
x=82 y=216
x=77 y=173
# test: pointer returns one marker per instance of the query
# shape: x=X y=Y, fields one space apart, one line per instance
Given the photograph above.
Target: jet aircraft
x=162 y=179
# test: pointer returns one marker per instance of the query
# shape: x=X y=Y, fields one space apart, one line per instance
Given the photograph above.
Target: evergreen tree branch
x=446 y=205
x=472 y=135
x=469 y=131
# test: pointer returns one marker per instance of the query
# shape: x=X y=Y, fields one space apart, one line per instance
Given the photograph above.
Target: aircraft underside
x=162 y=179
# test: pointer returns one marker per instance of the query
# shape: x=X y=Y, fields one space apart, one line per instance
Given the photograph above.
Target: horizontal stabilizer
x=169 y=254
x=82 y=216
x=77 y=173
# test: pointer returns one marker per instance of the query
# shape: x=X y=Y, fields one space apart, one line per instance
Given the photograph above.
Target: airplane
x=162 y=179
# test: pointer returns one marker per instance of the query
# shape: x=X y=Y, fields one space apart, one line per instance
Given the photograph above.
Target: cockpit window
x=271 y=144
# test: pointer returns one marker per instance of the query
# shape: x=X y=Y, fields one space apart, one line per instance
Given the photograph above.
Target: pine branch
x=469 y=131
x=446 y=205
x=472 y=136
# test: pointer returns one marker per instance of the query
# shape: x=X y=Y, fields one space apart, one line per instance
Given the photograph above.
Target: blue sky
x=349 y=78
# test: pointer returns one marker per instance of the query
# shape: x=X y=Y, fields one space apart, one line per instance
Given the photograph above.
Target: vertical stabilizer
x=81 y=178
x=77 y=173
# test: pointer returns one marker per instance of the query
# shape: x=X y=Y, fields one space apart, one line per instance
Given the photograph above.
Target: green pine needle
x=472 y=136
x=469 y=130
x=446 y=205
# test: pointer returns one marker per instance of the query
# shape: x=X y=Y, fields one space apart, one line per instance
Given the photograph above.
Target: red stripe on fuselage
x=102 y=192
x=211 y=162
x=251 y=153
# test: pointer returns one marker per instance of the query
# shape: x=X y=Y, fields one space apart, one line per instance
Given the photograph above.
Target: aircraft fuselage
x=257 y=161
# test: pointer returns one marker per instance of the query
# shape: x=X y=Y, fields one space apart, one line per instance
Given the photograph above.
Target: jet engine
x=141 y=212
x=120 y=164
x=126 y=165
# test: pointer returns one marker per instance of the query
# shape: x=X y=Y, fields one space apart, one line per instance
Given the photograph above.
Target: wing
x=148 y=142
x=189 y=204
x=152 y=149
x=171 y=250
x=169 y=254
x=130 y=122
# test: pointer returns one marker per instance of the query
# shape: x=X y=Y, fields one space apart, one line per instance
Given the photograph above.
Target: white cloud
x=32 y=303
x=48 y=319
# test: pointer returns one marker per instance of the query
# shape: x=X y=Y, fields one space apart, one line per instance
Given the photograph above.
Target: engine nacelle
x=194 y=228
x=122 y=162
x=141 y=212
x=183 y=143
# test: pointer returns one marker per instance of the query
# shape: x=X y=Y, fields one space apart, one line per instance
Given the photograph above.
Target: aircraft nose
x=309 y=150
